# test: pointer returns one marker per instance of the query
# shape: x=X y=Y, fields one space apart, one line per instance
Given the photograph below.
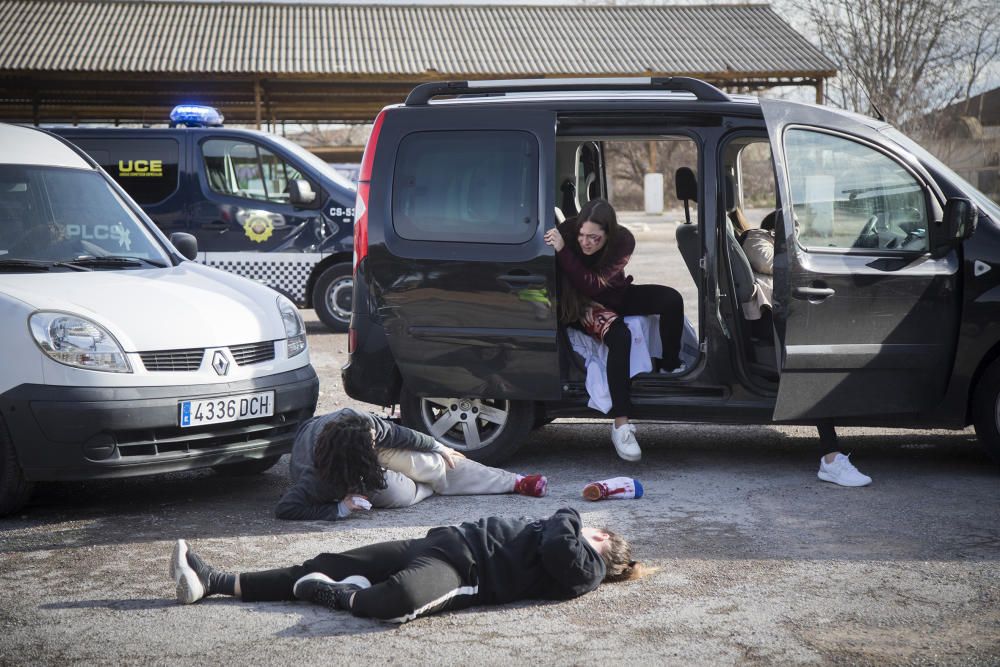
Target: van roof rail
x=703 y=90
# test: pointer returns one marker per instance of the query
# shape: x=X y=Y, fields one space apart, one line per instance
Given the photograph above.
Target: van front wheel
x=986 y=411
x=485 y=429
x=332 y=296
x=14 y=488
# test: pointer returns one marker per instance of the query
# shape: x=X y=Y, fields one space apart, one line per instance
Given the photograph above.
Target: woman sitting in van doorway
x=347 y=461
x=592 y=252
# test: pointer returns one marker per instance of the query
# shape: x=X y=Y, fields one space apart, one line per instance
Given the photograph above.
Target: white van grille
x=252 y=353
x=172 y=360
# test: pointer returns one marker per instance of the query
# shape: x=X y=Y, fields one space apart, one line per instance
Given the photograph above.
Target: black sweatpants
x=410 y=578
x=642 y=300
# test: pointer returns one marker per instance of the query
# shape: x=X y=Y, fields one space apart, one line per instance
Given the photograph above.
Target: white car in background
x=119 y=356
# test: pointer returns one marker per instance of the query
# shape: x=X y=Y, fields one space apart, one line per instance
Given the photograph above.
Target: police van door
x=466 y=283
x=244 y=221
x=867 y=319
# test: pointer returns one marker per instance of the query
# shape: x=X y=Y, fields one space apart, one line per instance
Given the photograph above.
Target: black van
x=230 y=189
x=886 y=289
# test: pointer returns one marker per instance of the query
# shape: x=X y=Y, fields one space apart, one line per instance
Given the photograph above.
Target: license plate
x=227 y=409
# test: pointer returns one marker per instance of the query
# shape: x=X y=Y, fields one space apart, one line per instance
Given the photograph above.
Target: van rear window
x=473 y=187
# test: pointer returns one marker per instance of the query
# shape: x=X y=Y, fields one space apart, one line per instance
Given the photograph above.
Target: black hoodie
x=518 y=559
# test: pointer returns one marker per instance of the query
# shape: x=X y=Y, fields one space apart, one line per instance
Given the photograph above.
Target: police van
x=259 y=205
x=120 y=356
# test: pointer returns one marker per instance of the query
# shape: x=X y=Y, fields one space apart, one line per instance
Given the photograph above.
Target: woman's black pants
x=410 y=578
x=642 y=300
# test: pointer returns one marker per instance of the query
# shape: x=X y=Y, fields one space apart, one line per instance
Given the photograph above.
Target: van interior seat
x=688 y=237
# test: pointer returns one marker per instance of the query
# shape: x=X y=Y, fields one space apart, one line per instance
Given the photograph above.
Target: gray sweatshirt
x=309 y=497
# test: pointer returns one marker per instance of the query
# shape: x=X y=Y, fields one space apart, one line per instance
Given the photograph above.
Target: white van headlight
x=76 y=341
x=295 y=328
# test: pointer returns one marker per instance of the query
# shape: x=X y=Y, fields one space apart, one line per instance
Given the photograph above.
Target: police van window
x=244 y=169
x=848 y=195
x=466 y=186
x=145 y=168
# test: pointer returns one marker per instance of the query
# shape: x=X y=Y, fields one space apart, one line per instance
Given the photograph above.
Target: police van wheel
x=986 y=411
x=332 y=296
x=14 y=488
x=486 y=430
x=249 y=467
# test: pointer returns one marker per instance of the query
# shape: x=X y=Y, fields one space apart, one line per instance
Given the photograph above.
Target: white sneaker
x=842 y=472
x=626 y=445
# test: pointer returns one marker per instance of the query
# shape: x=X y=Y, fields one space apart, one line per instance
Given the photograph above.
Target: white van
x=119 y=356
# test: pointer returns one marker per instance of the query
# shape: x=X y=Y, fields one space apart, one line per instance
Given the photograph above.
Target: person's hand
x=356 y=502
x=555 y=239
x=450 y=456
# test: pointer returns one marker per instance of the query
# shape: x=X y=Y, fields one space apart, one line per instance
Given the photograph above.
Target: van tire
x=15 y=490
x=500 y=441
x=332 y=295
x=986 y=411
x=248 y=467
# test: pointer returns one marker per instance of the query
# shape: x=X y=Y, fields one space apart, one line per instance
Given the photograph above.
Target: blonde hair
x=618 y=561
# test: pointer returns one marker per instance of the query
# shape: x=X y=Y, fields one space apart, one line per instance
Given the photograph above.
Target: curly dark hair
x=345 y=458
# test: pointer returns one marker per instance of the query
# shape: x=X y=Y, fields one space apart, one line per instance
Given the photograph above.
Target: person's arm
x=296 y=505
x=575 y=568
x=591 y=282
x=393 y=436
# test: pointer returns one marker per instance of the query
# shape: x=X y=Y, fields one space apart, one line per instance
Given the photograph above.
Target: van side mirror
x=959 y=223
x=300 y=193
x=186 y=244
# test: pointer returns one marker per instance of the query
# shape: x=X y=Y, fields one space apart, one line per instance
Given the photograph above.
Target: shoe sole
x=356 y=579
x=829 y=478
x=189 y=586
x=627 y=457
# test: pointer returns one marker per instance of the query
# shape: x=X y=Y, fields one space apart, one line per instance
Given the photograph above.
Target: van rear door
x=463 y=282
x=867 y=319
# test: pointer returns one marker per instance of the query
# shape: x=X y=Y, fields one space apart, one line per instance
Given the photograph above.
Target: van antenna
x=871 y=102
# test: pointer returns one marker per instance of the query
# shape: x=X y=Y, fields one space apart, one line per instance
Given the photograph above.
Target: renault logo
x=220 y=363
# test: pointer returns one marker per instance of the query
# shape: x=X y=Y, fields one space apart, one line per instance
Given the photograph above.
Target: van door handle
x=813 y=294
x=518 y=279
x=215 y=227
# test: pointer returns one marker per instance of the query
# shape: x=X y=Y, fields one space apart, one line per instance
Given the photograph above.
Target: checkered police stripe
x=286 y=271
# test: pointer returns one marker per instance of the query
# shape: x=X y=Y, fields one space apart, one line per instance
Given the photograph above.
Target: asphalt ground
x=758 y=562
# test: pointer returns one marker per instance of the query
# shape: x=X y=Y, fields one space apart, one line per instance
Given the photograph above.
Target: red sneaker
x=532 y=485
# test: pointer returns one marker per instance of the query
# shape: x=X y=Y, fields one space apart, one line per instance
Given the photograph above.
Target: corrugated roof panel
x=480 y=40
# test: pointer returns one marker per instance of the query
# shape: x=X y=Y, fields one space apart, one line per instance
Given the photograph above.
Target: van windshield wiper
x=112 y=260
x=23 y=265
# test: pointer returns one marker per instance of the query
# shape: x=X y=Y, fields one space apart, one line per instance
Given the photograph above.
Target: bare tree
x=905 y=57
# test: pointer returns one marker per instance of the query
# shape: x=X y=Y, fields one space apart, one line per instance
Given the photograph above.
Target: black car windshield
x=55 y=216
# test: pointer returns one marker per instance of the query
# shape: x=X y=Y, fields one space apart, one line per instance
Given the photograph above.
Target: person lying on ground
x=491 y=561
x=349 y=460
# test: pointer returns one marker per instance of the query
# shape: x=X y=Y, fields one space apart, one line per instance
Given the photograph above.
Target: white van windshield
x=982 y=201
x=70 y=219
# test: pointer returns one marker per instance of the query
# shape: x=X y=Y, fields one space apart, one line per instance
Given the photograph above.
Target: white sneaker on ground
x=842 y=472
x=626 y=445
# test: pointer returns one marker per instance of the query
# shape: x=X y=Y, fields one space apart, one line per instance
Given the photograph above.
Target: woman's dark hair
x=618 y=561
x=572 y=304
x=345 y=458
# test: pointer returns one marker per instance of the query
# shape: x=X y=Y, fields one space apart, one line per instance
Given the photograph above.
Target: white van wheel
x=986 y=411
x=332 y=296
x=484 y=429
x=14 y=488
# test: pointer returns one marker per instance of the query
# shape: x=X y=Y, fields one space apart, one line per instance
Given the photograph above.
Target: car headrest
x=686 y=184
x=730 y=194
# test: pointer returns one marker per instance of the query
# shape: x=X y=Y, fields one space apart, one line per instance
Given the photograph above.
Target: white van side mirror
x=186 y=244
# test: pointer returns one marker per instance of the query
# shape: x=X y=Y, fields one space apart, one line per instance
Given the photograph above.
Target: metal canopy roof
x=129 y=59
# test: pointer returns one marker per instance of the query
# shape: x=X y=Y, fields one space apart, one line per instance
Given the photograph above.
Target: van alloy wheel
x=333 y=295
x=488 y=430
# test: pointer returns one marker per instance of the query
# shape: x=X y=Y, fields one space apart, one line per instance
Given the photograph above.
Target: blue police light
x=194 y=115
